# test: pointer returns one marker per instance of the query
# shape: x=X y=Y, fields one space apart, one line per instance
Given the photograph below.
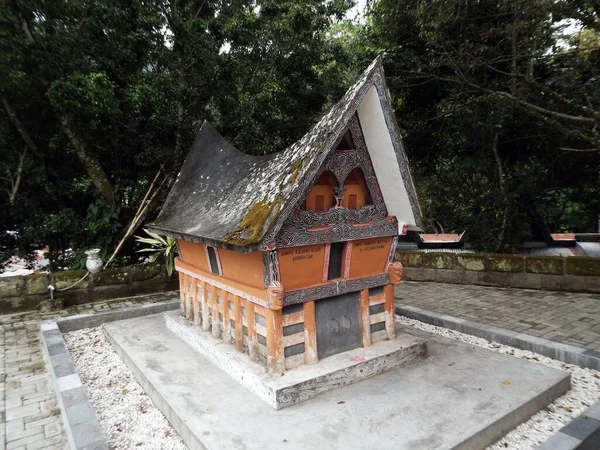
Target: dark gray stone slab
x=581 y=428
x=583 y=433
x=74 y=396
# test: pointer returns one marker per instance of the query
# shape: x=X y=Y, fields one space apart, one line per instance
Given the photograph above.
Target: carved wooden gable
x=343 y=202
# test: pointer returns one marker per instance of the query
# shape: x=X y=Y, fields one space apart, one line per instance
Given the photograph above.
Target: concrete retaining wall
x=573 y=273
x=24 y=293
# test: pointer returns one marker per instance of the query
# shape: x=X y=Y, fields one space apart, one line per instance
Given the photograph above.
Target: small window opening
x=346 y=142
x=352 y=201
x=213 y=262
x=336 y=256
x=320 y=203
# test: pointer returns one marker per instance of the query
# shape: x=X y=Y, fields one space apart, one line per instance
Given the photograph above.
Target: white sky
x=356 y=13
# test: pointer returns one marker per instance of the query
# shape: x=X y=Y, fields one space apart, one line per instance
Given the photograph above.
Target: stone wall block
x=11 y=286
x=550 y=265
x=471 y=261
x=438 y=260
x=36 y=284
x=67 y=278
x=505 y=263
x=141 y=272
x=493 y=278
x=579 y=265
x=119 y=275
x=410 y=259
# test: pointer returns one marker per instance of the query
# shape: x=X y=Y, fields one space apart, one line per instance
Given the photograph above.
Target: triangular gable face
x=344 y=201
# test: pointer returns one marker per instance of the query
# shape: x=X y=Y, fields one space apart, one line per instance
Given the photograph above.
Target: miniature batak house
x=290 y=256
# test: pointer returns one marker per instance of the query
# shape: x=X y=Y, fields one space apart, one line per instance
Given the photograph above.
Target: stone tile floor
x=566 y=317
x=29 y=414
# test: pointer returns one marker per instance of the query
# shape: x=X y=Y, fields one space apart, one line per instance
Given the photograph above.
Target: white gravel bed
x=585 y=391
x=126 y=414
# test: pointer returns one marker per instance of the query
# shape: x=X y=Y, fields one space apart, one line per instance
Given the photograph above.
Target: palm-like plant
x=159 y=246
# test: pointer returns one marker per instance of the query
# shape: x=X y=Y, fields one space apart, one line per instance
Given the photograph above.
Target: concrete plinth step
x=304 y=382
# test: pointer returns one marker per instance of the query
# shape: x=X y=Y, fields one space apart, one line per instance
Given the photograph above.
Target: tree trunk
x=91 y=164
x=18 y=125
x=503 y=190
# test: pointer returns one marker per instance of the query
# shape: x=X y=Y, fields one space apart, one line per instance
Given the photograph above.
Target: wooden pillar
x=226 y=333
x=275 y=355
x=214 y=304
x=182 y=279
x=252 y=339
x=239 y=324
x=195 y=301
x=188 y=297
x=390 y=315
x=311 y=356
x=365 y=317
x=198 y=303
x=395 y=270
x=208 y=289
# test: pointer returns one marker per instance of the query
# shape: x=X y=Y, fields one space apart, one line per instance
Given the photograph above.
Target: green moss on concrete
x=438 y=260
x=36 y=284
x=550 y=265
x=141 y=272
x=475 y=262
x=107 y=277
x=18 y=304
x=67 y=278
x=410 y=259
x=505 y=263
x=577 y=265
x=11 y=286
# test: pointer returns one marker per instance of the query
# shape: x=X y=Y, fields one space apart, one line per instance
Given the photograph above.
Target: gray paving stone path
x=29 y=414
x=566 y=317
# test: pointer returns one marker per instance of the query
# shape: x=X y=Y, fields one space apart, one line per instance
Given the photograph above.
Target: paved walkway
x=29 y=414
x=565 y=317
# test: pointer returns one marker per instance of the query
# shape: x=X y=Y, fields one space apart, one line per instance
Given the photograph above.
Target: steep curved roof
x=226 y=198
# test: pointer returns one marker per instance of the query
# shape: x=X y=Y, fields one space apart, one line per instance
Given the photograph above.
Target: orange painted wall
x=355 y=184
x=244 y=268
x=193 y=254
x=247 y=268
x=323 y=186
x=301 y=267
x=369 y=257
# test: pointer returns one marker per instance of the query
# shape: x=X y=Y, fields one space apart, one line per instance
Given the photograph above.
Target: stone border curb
x=79 y=419
x=562 y=352
x=583 y=433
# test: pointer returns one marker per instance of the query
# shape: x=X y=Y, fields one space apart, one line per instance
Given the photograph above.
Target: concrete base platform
x=304 y=382
x=459 y=397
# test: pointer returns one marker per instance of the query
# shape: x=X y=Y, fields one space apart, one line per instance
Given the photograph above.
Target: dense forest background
x=498 y=102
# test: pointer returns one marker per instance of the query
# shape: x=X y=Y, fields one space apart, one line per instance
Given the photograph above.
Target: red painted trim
x=325 y=278
x=347 y=257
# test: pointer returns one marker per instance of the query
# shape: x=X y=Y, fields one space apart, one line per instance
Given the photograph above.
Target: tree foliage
x=98 y=94
x=499 y=107
x=500 y=112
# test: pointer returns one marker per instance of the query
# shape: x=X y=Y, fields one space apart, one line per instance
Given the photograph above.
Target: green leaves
x=160 y=247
